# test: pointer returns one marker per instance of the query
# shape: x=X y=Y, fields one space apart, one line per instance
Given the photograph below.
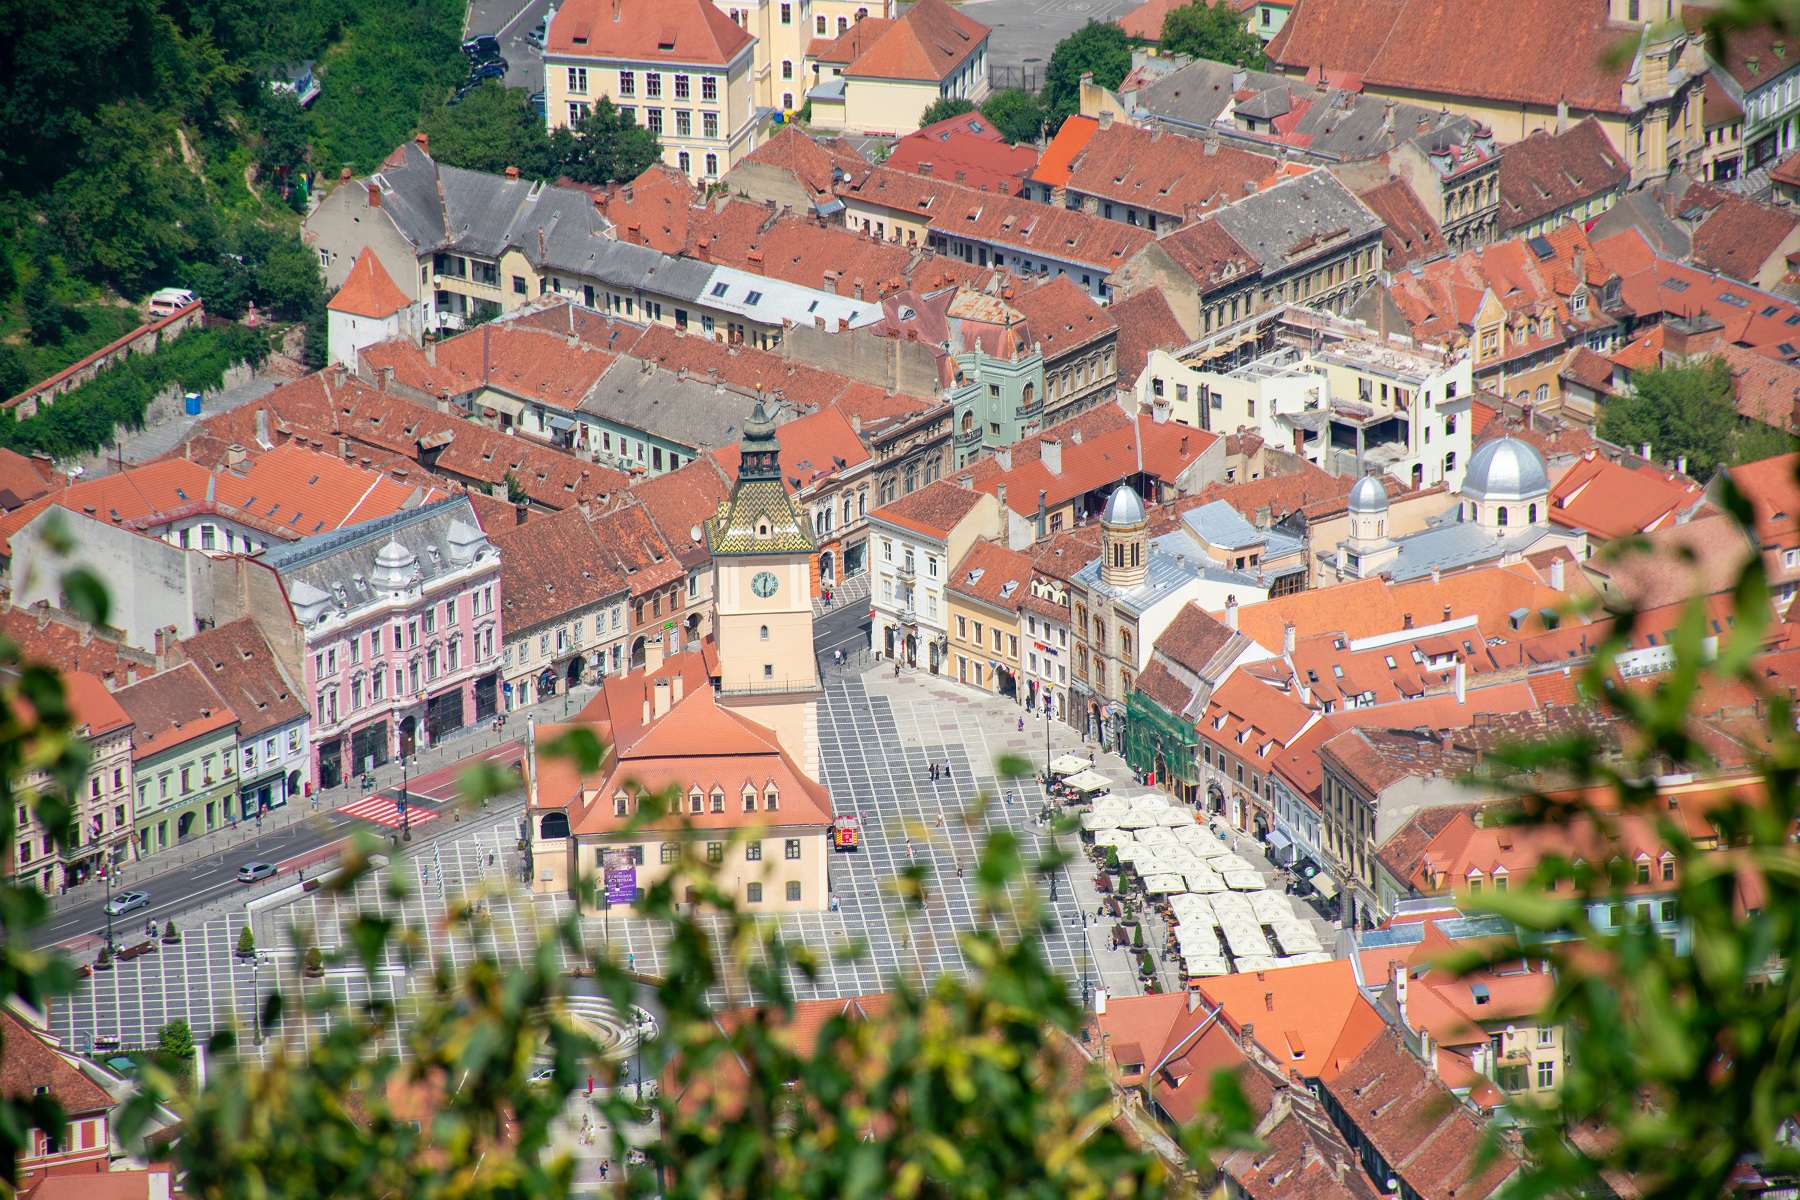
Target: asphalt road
x=843 y=627
x=205 y=880
x=510 y=21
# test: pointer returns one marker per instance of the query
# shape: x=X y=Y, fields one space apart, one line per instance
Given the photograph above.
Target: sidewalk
x=850 y=592
x=470 y=740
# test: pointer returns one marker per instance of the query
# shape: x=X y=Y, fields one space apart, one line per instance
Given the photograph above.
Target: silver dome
x=1368 y=496
x=1505 y=469
x=1123 y=507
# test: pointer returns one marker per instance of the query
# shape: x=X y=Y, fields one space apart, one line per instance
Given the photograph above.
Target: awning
x=1279 y=840
x=560 y=423
x=1324 y=885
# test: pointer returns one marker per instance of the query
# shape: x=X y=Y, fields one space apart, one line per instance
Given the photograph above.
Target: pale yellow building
x=682 y=68
x=931 y=53
x=785 y=31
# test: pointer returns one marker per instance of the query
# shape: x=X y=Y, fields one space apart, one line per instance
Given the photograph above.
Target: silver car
x=124 y=902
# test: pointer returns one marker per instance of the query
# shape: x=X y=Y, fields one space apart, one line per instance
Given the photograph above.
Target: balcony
x=907 y=573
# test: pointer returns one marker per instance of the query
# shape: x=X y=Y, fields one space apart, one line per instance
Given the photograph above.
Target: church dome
x=1505 y=469
x=1368 y=496
x=1123 y=507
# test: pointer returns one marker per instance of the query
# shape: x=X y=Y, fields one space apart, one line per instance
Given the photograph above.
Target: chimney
x=424 y=142
x=1106 y=120
x=1462 y=682
x=1645 y=455
x=1400 y=981
x=1231 y=612
x=1193 y=1000
x=1287 y=639
x=646 y=710
x=519 y=511
x=1437 y=575
x=1580 y=261
x=386 y=379
x=1099 y=1002
x=1043 y=515
x=1050 y=454
x=344 y=175
x=512 y=173
x=1159 y=411
x=374 y=194
x=678 y=688
x=965 y=481
x=1556 y=574
x=1269 y=1001
x=431 y=352
x=262 y=427
x=1681 y=464
x=234 y=454
x=925 y=169
x=1005 y=513
x=662 y=696
x=703 y=250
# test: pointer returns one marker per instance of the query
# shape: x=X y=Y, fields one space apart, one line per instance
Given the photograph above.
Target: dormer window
x=695 y=801
x=749 y=800
x=621 y=805
x=718 y=800
x=771 y=799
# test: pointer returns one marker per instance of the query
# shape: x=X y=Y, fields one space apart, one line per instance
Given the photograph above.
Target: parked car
x=537 y=35
x=170 y=300
x=250 y=872
x=493 y=69
x=482 y=48
x=124 y=902
x=537 y=101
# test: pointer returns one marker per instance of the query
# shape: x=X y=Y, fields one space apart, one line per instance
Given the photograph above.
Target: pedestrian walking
x=896 y=668
x=946 y=770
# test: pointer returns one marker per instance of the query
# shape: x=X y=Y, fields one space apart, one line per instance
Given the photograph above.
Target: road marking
x=383 y=811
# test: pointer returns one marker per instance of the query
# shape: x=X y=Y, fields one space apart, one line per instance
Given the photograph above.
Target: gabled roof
x=368 y=291
x=1296 y=219
x=992 y=574
x=1312 y=1019
x=646 y=31
x=551 y=568
x=30 y=1062
x=814 y=447
x=1548 y=172
x=1146 y=323
x=1534 y=52
x=1409 y=234
x=237 y=661
x=1054 y=167
x=930 y=42
x=1164 y=173
x=1738 y=237
x=934 y=510
x=172 y=708
x=1611 y=500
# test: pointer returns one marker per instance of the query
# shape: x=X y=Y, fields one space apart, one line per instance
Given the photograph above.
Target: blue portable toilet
x=193 y=404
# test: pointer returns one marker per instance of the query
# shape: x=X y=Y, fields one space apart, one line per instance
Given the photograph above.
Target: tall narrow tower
x=1124 y=530
x=762 y=548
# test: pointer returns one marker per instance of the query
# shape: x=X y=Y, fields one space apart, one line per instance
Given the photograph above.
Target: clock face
x=764 y=584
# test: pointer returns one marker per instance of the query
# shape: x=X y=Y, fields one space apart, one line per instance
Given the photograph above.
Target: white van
x=170 y=300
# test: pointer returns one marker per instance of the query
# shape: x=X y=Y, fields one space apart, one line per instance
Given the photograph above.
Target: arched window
x=968 y=422
x=765 y=633
x=1137 y=554
x=1500 y=516
x=554 y=825
x=1030 y=392
x=1532 y=511
x=846 y=510
x=671 y=851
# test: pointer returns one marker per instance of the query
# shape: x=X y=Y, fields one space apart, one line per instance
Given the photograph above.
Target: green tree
x=1016 y=113
x=945 y=107
x=45 y=312
x=246 y=942
x=15 y=376
x=1687 y=410
x=175 y=1049
x=1214 y=31
x=396 y=60
x=1102 y=49
x=491 y=129
x=283 y=143
x=606 y=146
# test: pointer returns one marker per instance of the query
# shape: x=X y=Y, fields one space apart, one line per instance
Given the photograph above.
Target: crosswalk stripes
x=383 y=811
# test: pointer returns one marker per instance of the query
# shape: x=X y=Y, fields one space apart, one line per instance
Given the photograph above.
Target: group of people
x=940 y=771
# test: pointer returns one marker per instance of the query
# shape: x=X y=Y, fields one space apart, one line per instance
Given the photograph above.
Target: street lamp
x=106 y=869
x=405 y=780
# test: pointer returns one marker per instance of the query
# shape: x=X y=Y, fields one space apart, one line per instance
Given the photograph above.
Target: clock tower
x=762 y=549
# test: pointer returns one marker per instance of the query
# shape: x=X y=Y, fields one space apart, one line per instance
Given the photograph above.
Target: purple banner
x=621 y=884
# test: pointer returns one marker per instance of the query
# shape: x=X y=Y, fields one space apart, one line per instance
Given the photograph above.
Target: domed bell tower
x=1124 y=532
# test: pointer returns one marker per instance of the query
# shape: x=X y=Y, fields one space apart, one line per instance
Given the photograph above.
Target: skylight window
x=719 y=289
x=753 y=298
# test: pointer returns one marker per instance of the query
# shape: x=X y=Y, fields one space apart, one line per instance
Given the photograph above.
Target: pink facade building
x=401 y=621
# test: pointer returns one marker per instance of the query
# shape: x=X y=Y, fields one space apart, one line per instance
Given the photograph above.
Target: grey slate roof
x=438 y=207
x=1341 y=126
x=1173 y=564
x=628 y=267
x=338 y=572
x=692 y=412
x=1280 y=226
x=1219 y=524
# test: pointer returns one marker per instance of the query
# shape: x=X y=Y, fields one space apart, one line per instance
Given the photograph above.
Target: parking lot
x=510 y=21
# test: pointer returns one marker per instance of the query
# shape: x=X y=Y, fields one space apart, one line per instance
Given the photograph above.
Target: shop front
x=444 y=714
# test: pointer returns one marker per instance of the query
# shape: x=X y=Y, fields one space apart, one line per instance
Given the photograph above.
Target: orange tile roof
x=1165 y=173
x=1096 y=460
x=993 y=575
x=930 y=42
x=647 y=31
x=239 y=663
x=813 y=447
x=1053 y=167
x=1300 y=1013
x=23 y=479
x=368 y=291
x=91 y=705
x=933 y=510
x=1146 y=323
x=652 y=210
x=851 y=44
x=172 y=708
x=1611 y=500
x=1738 y=237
